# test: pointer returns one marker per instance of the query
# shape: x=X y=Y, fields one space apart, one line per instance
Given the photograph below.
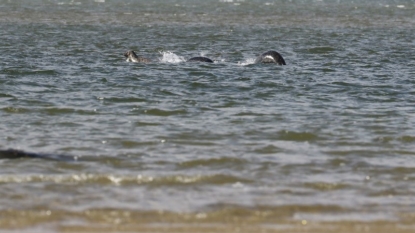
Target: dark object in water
x=270 y=57
x=200 y=59
x=132 y=57
x=17 y=154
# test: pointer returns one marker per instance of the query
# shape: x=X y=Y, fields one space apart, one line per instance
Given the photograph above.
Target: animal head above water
x=130 y=53
x=132 y=57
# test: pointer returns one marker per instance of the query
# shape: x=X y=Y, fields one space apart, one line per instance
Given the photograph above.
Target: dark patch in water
x=18 y=154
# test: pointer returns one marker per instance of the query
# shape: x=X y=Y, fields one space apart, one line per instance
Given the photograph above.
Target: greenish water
x=330 y=137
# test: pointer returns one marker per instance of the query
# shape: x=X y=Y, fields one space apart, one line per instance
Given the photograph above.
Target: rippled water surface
x=325 y=143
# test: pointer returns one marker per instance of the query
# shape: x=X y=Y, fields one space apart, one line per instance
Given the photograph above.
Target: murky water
x=325 y=143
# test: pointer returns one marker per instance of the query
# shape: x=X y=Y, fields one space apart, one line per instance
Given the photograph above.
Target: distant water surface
x=325 y=143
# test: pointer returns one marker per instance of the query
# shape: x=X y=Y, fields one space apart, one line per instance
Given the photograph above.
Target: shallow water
x=326 y=142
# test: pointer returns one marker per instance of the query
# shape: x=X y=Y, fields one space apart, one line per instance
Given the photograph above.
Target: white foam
x=248 y=61
x=170 y=57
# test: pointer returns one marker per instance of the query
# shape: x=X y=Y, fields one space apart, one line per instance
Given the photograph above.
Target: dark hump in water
x=18 y=154
x=270 y=57
x=200 y=59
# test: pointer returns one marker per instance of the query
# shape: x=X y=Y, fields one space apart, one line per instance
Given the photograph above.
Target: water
x=323 y=144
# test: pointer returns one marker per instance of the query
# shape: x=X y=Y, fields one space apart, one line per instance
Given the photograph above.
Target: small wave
x=15 y=110
x=321 y=49
x=297 y=136
x=216 y=162
x=163 y=113
x=170 y=57
x=112 y=179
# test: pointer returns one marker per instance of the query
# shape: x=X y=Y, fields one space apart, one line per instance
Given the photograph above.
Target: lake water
x=323 y=144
